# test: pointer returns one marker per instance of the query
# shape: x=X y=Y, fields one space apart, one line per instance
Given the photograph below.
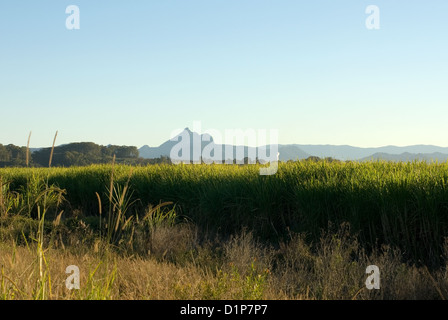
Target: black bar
x=228 y=309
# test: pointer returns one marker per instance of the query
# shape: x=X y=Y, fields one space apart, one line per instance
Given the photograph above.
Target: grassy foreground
x=179 y=267
x=225 y=232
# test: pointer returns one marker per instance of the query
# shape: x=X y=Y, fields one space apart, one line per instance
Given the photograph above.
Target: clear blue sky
x=139 y=69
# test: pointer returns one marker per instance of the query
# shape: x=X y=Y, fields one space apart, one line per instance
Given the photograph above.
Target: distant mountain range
x=299 y=151
x=406 y=156
x=200 y=145
x=296 y=151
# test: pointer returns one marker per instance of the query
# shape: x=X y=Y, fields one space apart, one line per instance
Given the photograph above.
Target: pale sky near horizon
x=137 y=70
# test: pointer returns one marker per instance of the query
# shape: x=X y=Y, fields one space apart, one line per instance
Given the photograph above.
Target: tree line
x=73 y=154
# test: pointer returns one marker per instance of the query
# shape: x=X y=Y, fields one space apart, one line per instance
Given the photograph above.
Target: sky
x=137 y=70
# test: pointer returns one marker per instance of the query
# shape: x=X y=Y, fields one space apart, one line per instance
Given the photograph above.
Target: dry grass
x=113 y=277
x=180 y=267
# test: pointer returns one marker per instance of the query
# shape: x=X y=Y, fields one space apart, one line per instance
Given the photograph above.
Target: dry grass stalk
x=52 y=150
x=28 y=150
